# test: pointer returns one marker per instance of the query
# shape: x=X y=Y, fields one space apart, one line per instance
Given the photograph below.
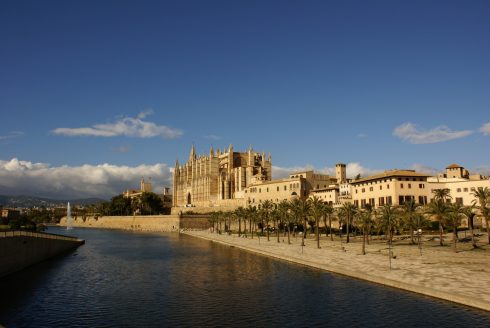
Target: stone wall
x=157 y=223
x=20 y=249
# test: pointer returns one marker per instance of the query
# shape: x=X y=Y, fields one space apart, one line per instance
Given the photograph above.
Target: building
x=460 y=184
x=393 y=187
x=145 y=186
x=219 y=179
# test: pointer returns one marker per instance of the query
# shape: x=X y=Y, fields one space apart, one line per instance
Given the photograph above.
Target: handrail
x=20 y=233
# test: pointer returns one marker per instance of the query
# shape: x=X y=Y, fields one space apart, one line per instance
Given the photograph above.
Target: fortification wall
x=20 y=249
x=158 y=223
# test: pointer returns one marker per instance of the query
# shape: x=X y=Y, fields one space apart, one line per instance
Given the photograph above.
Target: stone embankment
x=462 y=277
x=20 y=249
x=153 y=223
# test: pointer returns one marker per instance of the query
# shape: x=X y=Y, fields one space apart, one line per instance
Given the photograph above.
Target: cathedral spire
x=192 y=155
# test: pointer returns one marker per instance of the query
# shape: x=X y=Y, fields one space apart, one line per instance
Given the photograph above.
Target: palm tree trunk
x=347 y=231
x=330 y=228
x=441 y=231
x=488 y=230
x=455 y=236
x=289 y=233
x=411 y=235
x=277 y=230
x=363 y=243
x=317 y=233
x=304 y=233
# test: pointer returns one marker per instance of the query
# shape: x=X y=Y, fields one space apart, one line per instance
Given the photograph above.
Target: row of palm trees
x=295 y=215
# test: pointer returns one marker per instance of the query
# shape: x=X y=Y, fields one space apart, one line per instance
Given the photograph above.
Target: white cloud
x=362 y=135
x=105 y=180
x=485 y=129
x=212 y=137
x=11 y=135
x=424 y=169
x=122 y=149
x=410 y=133
x=126 y=126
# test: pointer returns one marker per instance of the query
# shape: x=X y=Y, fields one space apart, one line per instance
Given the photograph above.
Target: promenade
x=462 y=277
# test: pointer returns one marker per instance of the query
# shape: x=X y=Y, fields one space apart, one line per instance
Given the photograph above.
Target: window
x=370 y=188
x=472 y=188
x=459 y=200
x=380 y=187
x=363 y=203
x=409 y=186
x=277 y=188
x=285 y=188
x=317 y=186
x=465 y=189
x=371 y=201
x=421 y=186
x=363 y=190
x=387 y=186
x=381 y=201
x=388 y=200
x=401 y=185
x=356 y=191
x=401 y=200
x=422 y=200
x=458 y=190
x=267 y=189
x=356 y=203
x=260 y=189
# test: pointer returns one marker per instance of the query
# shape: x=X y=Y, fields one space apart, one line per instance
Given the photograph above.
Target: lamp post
x=420 y=236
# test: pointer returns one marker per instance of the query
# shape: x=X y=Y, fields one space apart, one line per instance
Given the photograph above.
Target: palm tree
x=482 y=196
x=328 y=212
x=454 y=218
x=469 y=213
x=442 y=196
x=438 y=209
x=276 y=218
x=387 y=222
x=364 y=220
x=239 y=214
x=301 y=209
x=266 y=211
x=284 y=212
x=409 y=215
x=347 y=212
x=316 y=210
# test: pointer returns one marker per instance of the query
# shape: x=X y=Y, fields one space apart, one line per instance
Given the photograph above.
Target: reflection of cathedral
x=218 y=179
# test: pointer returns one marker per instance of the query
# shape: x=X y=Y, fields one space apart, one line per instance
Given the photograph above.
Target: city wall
x=20 y=249
x=157 y=223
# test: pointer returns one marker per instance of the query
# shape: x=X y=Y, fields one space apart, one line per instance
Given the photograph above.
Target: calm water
x=124 y=279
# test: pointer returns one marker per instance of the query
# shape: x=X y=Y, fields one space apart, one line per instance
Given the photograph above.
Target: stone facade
x=218 y=179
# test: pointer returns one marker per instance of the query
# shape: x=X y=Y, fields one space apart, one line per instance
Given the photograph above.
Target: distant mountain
x=31 y=201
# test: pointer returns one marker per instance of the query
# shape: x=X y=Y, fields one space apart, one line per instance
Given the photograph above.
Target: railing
x=23 y=233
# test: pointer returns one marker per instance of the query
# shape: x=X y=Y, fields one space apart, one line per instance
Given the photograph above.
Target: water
x=124 y=279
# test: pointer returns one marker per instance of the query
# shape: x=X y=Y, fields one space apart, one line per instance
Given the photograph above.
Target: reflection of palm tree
x=483 y=197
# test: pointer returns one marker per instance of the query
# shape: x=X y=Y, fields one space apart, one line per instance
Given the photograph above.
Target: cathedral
x=220 y=178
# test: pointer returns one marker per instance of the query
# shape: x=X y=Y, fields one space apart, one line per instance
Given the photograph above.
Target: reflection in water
x=126 y=279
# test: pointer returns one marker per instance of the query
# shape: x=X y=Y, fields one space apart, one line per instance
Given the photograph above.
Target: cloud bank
x=126 y=126
x=485 y=129
x=410 y=133
x=12 y=135
x=104 y=181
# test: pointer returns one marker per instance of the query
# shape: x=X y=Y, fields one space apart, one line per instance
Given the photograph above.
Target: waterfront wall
x=20 y=249
x=158 y=223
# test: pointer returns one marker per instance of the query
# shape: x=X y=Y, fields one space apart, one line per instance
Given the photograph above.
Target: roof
x=454 y=166
x=392 y=173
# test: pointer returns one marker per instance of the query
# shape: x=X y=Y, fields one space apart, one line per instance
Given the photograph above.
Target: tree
x=301 y=209
x=387 y=222
x=438 y=209
x=454 y=217
x=364 y=220
x=284 y=211
x=120 y=205
x=482 y=202
x=150 y=203
x=316 y=211
x=409 y=216
x=328 y=212
x=239 y=214
x=266 y=215
x=470 y=214
x=347 y=212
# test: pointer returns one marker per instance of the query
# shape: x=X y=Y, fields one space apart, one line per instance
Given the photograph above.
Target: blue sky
x=132 y=84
